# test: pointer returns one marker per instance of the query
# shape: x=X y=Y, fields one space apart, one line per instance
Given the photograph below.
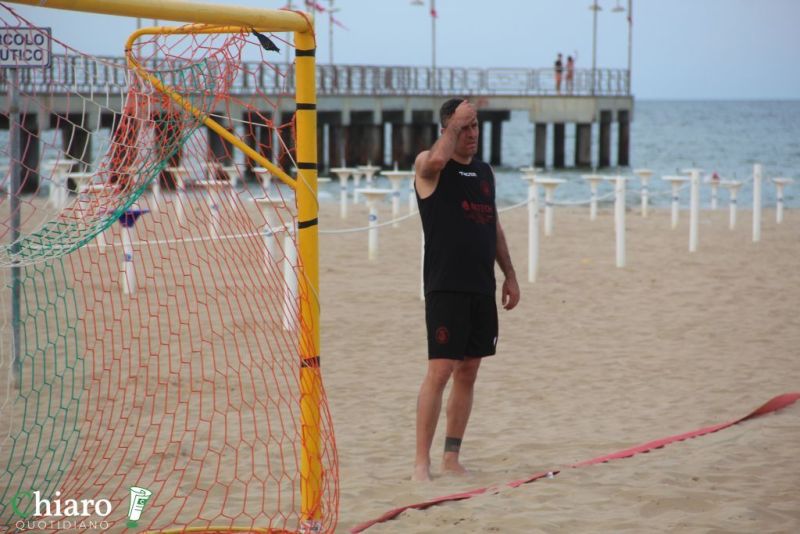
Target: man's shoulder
x=482 y=166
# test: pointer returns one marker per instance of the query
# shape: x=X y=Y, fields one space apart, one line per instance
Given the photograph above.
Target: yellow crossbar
x=183 y=11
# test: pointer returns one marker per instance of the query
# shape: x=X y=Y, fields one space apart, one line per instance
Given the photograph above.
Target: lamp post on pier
x=432 y=6
x=630 y=42
x=595 y=7
x=331 y=11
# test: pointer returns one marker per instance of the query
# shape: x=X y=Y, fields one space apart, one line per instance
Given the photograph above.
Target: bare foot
x=422 y=473
x=451 y=466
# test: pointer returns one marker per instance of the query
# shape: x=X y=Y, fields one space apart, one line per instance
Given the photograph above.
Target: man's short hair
x=447 y=110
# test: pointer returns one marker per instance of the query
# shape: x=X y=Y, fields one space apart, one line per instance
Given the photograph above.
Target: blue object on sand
x=128 y=219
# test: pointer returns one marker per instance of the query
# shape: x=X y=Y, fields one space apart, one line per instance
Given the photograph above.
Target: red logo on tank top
x=442 y=335
x=479 y=212
x=486 y=189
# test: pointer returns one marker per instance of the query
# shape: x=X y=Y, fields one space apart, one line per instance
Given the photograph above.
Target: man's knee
x=439 y=371
x=467 y=371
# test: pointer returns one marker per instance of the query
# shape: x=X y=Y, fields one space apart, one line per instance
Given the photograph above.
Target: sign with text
x=22 y=47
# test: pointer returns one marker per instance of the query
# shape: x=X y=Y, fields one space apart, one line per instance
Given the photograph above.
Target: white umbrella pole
x=343 y=197
x=675 y=198
x=714 y=195
x=548 y=211
x=533 y=231
x=372 y=254
x=756 y=202
x=645 y=197
x=619 y=219
x=396 y=206
x=694 y=211
x=129 y=286
x=732 y=222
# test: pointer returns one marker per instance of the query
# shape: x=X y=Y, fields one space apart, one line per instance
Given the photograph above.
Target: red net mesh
x=149 y=310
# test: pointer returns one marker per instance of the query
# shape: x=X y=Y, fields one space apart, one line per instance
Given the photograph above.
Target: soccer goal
x=159 y=310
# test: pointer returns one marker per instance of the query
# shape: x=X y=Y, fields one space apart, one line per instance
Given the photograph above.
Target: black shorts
x=460 y=325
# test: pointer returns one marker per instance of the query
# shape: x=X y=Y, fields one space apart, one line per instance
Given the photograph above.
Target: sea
x=723 y=137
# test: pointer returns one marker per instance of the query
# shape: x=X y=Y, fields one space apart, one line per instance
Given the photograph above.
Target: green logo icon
x=139 y=497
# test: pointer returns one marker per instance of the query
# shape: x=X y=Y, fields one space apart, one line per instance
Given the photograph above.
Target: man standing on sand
x=463 y=239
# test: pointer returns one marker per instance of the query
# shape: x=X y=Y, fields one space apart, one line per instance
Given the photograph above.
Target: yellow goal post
x=218 y=18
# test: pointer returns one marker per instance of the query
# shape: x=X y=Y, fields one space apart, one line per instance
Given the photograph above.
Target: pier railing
x=76 y=74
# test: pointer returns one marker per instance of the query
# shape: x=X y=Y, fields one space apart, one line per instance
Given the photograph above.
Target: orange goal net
x=159 y=367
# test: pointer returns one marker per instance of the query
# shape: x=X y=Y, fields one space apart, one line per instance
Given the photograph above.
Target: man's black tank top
x=460 y=224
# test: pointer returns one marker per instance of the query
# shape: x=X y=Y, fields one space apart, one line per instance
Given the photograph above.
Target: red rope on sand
x=777 y=403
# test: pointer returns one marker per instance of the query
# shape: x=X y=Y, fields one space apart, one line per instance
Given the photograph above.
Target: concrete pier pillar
x=219 y=149
x=266 y=142
x=421 y=139
x=258 y=137
x=394 y=119
x=286 y=149
x=328 y=123
x=108 y=120
x=30 y=150
x=624 y=143
x=401 y=144
x=481 y=129
x=336 y=143
x=374 y=133
x=364 y=139
x=357 y=142
x=80 y=149
x=604 y=156
x=497 y=143
x=77 y=139
x=540 y=145
x=423 y=134
x=250 y=137
x=583 y=145
x=424 y=118
x=558 y=145
x=353 y=149
x=494 y=133
x=396 y=151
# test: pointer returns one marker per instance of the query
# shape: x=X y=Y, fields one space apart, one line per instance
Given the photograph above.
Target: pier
x=366 y=114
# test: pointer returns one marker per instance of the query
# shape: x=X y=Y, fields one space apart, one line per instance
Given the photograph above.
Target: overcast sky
x=682 y=49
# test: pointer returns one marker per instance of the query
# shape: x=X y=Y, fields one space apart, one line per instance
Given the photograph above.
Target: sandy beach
x=594 y=360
